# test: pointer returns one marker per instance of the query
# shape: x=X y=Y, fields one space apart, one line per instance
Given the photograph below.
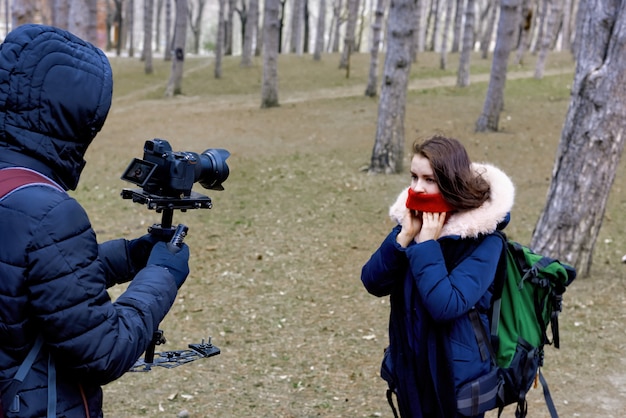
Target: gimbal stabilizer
x=165 y=231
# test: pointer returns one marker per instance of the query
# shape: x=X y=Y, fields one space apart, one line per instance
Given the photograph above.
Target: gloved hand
x=139 y=250
x=176 y=262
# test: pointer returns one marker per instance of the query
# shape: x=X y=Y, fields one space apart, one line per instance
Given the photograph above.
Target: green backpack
x=528 y=294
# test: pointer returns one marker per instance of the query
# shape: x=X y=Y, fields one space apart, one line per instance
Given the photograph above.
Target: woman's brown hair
x=459 y=184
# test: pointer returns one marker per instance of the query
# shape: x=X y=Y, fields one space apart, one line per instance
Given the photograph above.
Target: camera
x=165 y=173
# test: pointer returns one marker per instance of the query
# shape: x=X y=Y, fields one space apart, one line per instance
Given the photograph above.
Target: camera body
x=166 y=173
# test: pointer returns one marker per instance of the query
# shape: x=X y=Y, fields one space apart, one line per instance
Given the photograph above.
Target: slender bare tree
x=494 y=102
x=169 y=41
x=269 y=85
x=157 y=24
x=148 y=17
x=252 y=26
x=219 y=43
x=348 y=38
x=463 y=74
x=458 y=25
x=321 y=29
x=175 y=83
x=526 y=25
x=388 y=149
x=377 y=25
x=335 y=26
x=82 y=19
x=492 y=12
x=555 y=9
x=195 y=23
x=443 y=53
x=592 y=140
x=297 y=21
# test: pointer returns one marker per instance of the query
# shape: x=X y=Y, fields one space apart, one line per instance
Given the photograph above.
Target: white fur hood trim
x=482 y=220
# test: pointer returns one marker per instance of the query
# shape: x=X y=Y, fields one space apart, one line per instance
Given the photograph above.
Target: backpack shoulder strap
x=13 y=178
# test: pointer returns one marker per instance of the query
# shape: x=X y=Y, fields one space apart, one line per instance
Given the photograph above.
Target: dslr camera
x=166 y=173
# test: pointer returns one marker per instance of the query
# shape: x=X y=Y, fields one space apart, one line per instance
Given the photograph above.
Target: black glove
x=177 y=262
x=139 y=250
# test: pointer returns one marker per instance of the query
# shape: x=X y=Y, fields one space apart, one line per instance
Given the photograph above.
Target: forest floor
x=276 y=262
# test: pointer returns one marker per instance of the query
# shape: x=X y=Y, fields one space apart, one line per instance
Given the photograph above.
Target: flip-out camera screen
x=139 y=171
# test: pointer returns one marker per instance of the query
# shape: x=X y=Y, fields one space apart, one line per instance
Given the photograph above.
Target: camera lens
x=212 y=170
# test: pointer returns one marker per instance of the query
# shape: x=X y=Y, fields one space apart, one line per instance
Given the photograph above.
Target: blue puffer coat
x=432 y=286
x=55 y=93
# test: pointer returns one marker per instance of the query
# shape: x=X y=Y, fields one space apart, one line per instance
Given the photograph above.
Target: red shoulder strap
x=14 y=177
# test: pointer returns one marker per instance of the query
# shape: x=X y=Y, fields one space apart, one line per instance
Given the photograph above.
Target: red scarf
x=431 y=203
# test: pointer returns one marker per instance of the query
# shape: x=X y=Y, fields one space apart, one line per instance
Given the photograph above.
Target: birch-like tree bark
x=377 y=25
x=555 y=8
x=269 y=84
x=388 y=149
x=494 y=102
x=252 y=26
x=348 y=39
x=82 y=19
x=219 y=42
x=443 y=54
x=169 y=41
x=485 y=43
x=336 y=28
x=458 y=26
x=175 y=83
x=463 y=75
x=321 y=30
x=195 y=23
x=297 y=18
x=157 y=25
x=147 y=36
x=592 y=140
x=526 y=25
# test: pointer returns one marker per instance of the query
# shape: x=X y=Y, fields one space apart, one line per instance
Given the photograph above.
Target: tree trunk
x=526 y=25
x=250 y=33
x=567 y=23
x=555 y=7
x=321 y=29
x=389 y=145
x=337 y=28
x=463 y=75
x=23 y=11
x=443 y=62
x=419 y=37
x=157 y=29
x=297 y=14
x=494 y=102
x=348 y=39
x=130 y=27
x=174 y=85
x=82 y=19
x=147 y=35
x=485 y=43
x=269 y=86
x=196 y=25
x=372 y=81
x=592 y=140
x=458 y=26
x=219 y=42
x=169 y=41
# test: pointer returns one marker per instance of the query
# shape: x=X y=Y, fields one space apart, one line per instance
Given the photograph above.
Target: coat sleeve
x=114 y=257
x=447 y=296
x=386 y=267
x=90 y=335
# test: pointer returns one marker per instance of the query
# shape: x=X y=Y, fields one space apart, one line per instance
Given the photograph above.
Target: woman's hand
x=411 y=226
x=432 y=223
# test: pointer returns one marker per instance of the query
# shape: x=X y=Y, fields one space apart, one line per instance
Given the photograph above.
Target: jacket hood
x=474 y=222
x=55 y=94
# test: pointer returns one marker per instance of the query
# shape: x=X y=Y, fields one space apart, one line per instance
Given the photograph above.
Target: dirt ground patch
x=276 y=262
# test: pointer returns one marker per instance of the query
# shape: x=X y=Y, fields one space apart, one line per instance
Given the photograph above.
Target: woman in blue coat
x=55 y=93
x=436 y=265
